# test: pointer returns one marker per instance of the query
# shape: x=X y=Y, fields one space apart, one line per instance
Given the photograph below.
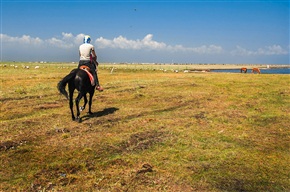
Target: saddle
x=88 y=71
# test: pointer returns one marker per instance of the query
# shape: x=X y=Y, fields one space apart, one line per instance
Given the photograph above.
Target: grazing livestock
x=256 y=70
x=244 y=70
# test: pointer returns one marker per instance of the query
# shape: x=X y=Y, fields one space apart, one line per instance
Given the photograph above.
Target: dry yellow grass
x=150 y=131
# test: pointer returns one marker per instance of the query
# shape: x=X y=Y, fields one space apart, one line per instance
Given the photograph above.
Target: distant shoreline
x=208 y=66
x=223 y=67
x=234 y=66
x=185 y=66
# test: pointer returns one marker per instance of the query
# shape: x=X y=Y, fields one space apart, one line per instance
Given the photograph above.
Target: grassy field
x=150 y=131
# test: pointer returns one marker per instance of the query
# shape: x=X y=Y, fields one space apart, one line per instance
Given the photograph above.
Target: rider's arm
x=94 y=55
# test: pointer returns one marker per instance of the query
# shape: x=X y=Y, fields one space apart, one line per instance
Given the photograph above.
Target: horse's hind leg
x=85 y=103
x=90 y=102
x=71 y=92
x=77 y=100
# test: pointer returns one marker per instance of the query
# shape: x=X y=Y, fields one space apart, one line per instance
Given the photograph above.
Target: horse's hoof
x=82 y=108
x=90 y=113
x=79 y=120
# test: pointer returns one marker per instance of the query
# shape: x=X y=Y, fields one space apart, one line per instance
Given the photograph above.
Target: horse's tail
x=61 y=85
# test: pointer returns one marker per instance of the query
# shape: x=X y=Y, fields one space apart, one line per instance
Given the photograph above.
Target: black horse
x=77 y=79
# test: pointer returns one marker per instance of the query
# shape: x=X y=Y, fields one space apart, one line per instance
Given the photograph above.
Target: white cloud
x=268 y=50
x=124 y=43
x=66 y=45
x=67 y=35
x=25 y=39
x=69 y=41
x=55 y=42
x=66 y=41
x=274 y=50
x=148 y=43
x=79 y=39
x=211 y=49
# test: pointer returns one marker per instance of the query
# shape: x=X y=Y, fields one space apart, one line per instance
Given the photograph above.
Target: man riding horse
x=88 y=58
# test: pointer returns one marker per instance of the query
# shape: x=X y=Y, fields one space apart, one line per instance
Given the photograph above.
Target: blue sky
x=249 y=31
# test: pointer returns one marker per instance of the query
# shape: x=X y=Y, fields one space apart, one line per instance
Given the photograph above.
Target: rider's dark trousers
x=93 y=69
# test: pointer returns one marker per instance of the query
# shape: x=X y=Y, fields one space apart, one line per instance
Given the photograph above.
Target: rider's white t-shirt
x=85 y=51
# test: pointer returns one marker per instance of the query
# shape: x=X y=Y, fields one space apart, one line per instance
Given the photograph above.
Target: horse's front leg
x=85 y=103
x=77 y=100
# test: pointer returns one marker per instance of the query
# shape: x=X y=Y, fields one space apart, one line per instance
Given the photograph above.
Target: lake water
x=263 y=71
